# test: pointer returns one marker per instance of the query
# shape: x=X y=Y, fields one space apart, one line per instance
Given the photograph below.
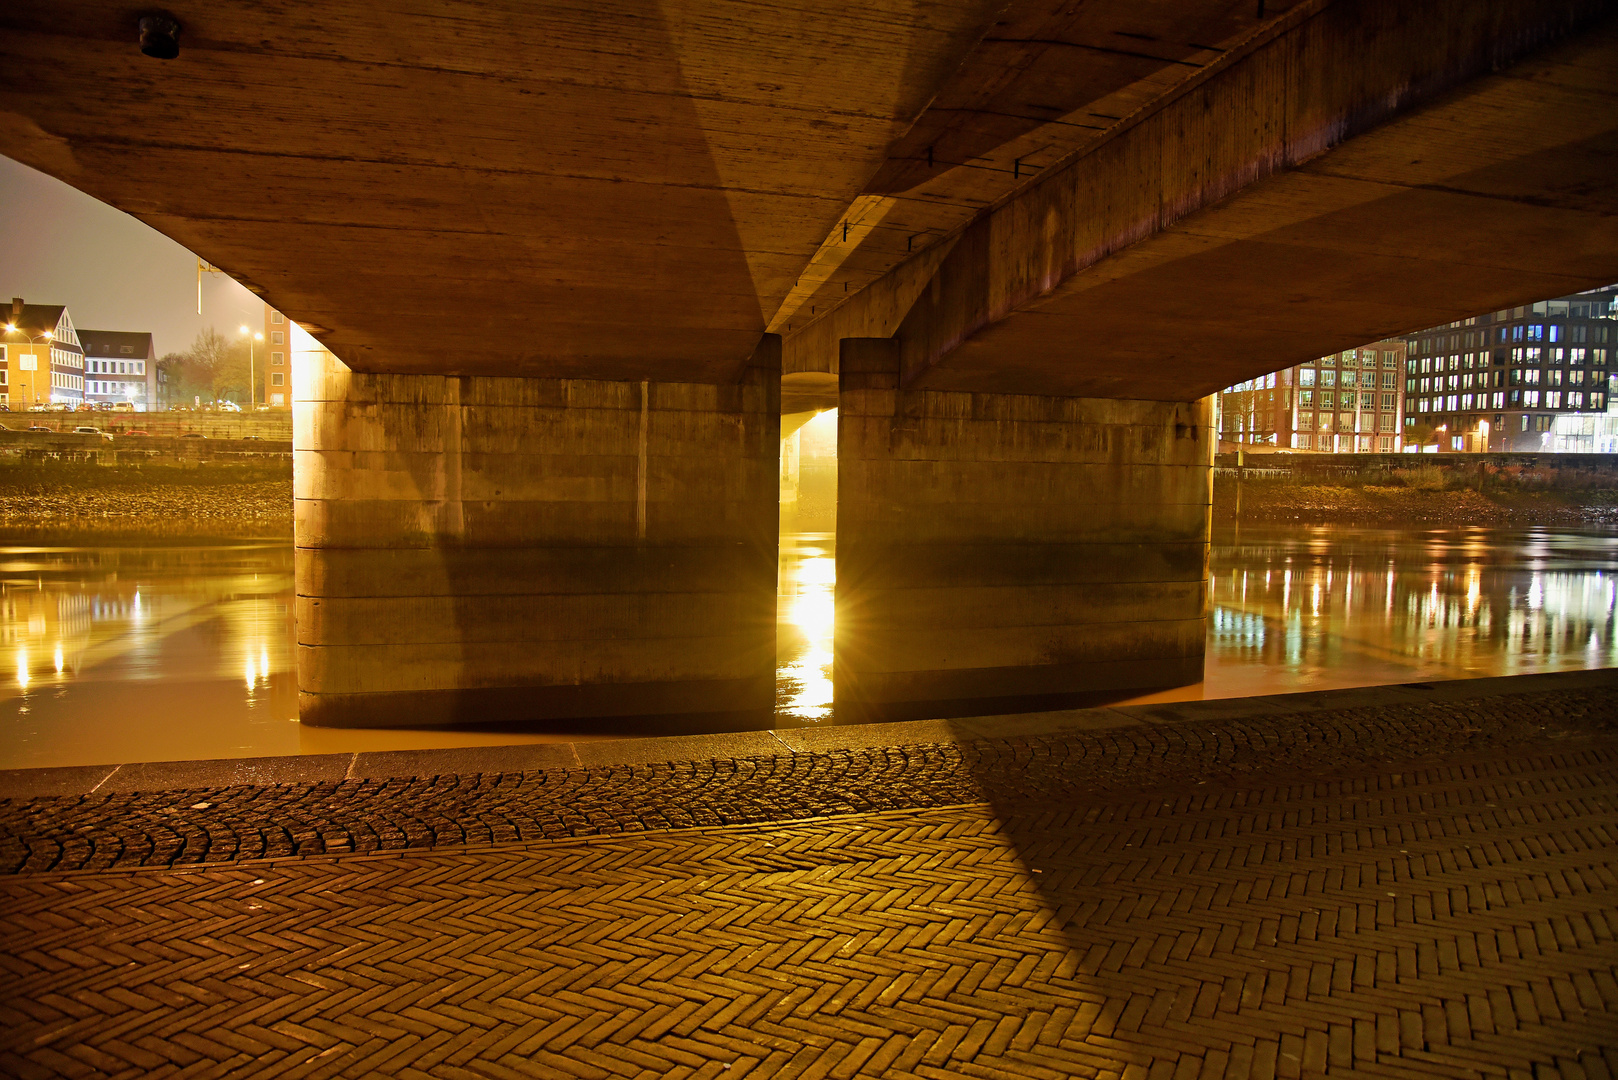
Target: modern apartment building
x=41 y=357
x=1500 y=381
x=120 y=367
x=1348 y=403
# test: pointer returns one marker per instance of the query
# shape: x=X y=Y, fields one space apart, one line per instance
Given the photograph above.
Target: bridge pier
x=995 y=547
x=473 y=550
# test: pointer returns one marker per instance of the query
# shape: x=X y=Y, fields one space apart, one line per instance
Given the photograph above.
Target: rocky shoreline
x=1269 y=501
x=146 y=499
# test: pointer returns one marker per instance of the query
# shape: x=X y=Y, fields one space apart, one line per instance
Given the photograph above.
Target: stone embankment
x=1277 y=501
x=148 y=498
x=1449 y=489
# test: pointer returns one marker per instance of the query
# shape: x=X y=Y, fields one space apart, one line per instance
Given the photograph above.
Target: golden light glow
x=22 y=668
x=809 y=586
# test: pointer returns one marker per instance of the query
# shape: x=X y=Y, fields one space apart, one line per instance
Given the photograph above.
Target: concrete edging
x=77 y=780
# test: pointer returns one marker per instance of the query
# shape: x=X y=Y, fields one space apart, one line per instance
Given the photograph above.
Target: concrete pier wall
x=995 y=546
x=473 y=550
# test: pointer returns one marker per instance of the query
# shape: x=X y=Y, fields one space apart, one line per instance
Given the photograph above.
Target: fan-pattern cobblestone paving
x=1423 y=890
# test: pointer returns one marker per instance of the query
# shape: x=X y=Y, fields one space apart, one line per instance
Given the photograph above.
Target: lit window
x=1530 y=399
x=1575 y=399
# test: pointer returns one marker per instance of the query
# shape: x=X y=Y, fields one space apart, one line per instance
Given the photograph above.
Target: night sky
x=113 y=272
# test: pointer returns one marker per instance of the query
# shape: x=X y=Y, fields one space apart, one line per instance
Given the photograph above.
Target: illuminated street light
x=251 y=376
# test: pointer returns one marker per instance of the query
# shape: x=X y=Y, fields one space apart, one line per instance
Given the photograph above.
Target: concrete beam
x=1362 y=168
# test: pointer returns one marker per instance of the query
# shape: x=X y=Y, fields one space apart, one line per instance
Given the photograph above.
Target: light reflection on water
x=1319 y=607
x=114 y=654
x=142 y=653
x=805 y=621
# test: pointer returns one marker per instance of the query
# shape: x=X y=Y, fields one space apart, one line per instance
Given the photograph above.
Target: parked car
x=137 y=431
x=39 y=408
x=84 y=429
x=193 y=435
x=40 y=427
x=260 y=438
x=122 y=406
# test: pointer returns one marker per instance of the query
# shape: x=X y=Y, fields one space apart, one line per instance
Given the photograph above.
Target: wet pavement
x=1393 y=882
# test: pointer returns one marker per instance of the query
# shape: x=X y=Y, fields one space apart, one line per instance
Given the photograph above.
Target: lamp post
x=11 y=328
x=252 y=378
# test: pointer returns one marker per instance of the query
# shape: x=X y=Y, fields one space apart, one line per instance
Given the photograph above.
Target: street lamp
x=11 y=328
x=251 y=377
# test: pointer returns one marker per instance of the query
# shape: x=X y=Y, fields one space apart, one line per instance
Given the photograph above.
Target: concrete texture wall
x=996 y=546
x=473 y=550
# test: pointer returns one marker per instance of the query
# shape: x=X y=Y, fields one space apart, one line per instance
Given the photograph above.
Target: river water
x=185 y=650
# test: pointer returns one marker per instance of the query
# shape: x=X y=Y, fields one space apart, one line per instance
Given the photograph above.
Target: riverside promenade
x=1399 y=881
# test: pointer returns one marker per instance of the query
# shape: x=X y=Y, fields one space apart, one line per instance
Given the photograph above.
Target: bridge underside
x=573 y=261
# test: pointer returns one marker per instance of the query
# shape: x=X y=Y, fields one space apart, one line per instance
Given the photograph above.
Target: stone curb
x=410 y=764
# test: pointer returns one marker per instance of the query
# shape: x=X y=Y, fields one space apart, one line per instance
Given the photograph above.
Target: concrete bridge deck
x=1400 y=881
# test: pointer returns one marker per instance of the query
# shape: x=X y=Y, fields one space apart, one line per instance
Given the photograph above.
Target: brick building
x=1347 y=402
x=277 y=370
x=41 y=357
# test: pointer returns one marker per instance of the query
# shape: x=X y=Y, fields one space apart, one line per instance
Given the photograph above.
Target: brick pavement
x=1423 y=889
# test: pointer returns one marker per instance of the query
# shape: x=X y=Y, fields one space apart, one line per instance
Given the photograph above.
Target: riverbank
x=1398 y=504
x=146 y=500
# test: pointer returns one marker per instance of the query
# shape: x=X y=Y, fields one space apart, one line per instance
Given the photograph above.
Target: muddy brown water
x=169 y=650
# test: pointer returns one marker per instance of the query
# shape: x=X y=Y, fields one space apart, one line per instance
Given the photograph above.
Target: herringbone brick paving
x=1335 y=905
x=166 y=828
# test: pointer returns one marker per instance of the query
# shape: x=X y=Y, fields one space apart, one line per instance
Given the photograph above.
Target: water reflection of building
x=1474 y=608
x=66 y=610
